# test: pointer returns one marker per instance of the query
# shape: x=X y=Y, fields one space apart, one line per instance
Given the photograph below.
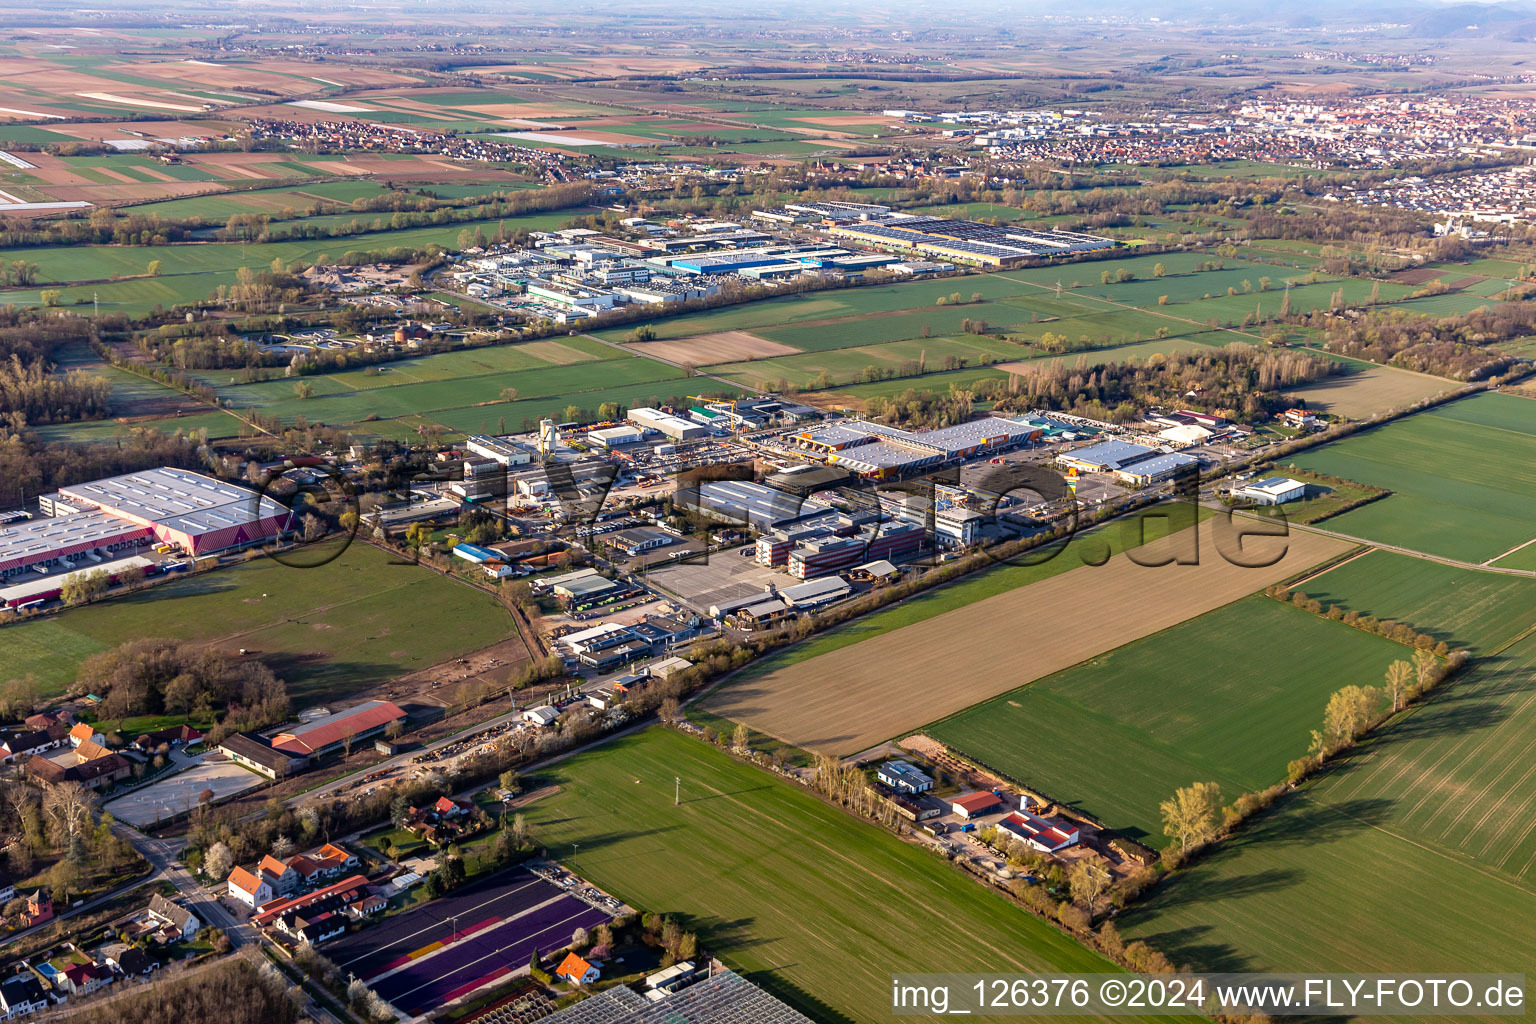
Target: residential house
x=83 y=979
x=84 y=733
x=176 y=736
x=576 y=970
x=283 y=878
x=442 y=821
x=22 y=994
x=130 y=961
x=250 y=888
x=95 y=773
x=43 y=719
x=368 y=906
x=175 y=915
x=7 y=889
x=15 y=745
x=39 y=909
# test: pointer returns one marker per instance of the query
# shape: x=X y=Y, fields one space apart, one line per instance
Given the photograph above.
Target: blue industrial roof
x=474 y=553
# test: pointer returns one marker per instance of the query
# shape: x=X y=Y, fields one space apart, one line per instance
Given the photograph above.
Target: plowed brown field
x=850 y=699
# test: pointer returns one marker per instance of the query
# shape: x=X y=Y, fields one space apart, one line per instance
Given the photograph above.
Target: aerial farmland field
x=1369 y=390
x=800 y=896
x=1229 y=697
x=1419 y=844
x=848 y=699
x=1447 y=498
x=1466 y=608
x=327 y=631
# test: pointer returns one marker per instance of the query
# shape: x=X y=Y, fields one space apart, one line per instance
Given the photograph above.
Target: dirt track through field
x=853 y=698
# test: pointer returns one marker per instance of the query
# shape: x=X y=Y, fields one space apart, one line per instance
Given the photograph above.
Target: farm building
x=335 y=732
x=255 y=753
x=475 y=554
x=541 y=716
x=974 y=805
x=1276 y=490
x=667 y=667
x=1039 y=833
x=902 y=777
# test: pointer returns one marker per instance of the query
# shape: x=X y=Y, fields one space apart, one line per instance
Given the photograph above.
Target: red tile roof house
x=975 y=804
x=81 y=979
x=576 y=970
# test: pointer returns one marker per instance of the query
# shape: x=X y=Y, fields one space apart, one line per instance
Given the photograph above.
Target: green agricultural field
x=1230 y=697
x=327 y=632
x=1466 y=608
x=813 y=904
x=217 y=423
x=1522 y=558
x=193 y=271
x=220 y=207
x=1415 y=852
x=474 y=419
x=1453 y=304
x=276 y=398
x=849 y=364
x=873 y=330
x=1463 y=478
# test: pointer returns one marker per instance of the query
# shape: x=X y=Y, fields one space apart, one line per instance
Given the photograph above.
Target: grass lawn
x=328 y=631
x=1463 y=478
x=1415 y=854
x=813 y=904
x=1228 y=697
x=1464 y=607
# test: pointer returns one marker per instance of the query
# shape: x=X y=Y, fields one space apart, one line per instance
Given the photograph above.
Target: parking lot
x=181 y=792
